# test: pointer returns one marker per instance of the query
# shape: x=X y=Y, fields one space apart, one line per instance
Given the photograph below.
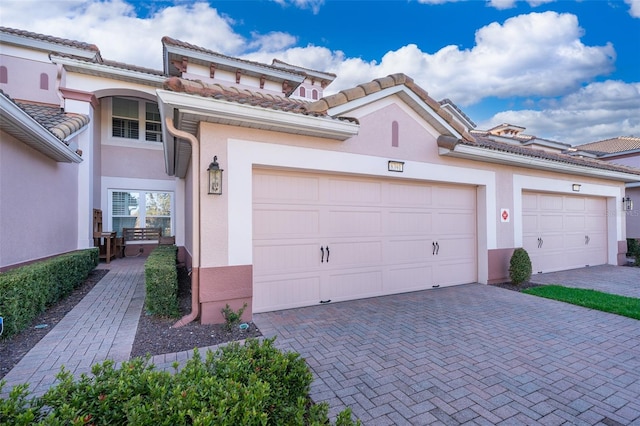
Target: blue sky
x=565 y=70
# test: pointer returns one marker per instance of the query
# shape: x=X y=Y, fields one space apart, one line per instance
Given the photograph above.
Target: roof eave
x=47 y=46
x=254 y=69
x=414 y=101
x=18 y=123
x=500 y=157
x=108 y=71
x=242 y=115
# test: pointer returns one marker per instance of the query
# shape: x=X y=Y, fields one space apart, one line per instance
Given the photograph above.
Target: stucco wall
x=633 y=217
x=38 y=204
x=23 y=80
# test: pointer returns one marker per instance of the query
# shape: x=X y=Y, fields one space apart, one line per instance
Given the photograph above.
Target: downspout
x=195 y=261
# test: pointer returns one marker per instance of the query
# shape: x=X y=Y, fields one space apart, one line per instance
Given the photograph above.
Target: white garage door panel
x=344 y=286
x=381 y=236
x=563 y=231
x=410 y=278
x=277 y=258
x=283 y=222
x=410 y=223
x=283 y=293
x=354 y=254
x=343 y=222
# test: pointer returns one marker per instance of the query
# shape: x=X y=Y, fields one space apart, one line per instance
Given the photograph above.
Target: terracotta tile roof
x=166 y=40
x=51 y=39
x=450 y=102
x=612 y=146
x=487 y=143
x=242 y=96
x=362 y=90
x=60 y=124
x=283 y=65
x=113 y=64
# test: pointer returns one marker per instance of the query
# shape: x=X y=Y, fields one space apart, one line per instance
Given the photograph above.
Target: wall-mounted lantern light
x=576 y=187
x=627 y=204
x=215 y=177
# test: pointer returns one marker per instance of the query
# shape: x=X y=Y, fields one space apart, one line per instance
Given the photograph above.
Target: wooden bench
x=138 y=239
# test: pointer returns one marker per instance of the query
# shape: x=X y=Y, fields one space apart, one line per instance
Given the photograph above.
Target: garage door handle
x=539 y=242
x=433 y=251
x=437 y=248
x=328 y=254
x=586 y=240
x=322 y=251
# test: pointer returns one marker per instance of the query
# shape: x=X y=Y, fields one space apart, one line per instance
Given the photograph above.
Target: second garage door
x=564 y=232
x=327 y=238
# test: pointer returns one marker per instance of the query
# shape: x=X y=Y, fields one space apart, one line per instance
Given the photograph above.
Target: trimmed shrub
x=520 y=266
x=633 y=250
x=26 y=291
x=161 y=282
x=250 y=384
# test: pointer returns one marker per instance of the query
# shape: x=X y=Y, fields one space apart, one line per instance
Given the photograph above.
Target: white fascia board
x=46 y=46
x=42 y=140
x=206 y=57
x=247 y=114
x=344 y=109
x=474 y=153
x=110 y=71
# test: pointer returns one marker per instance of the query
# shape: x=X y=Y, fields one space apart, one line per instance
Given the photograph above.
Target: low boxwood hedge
x=249 y=384
x=26 y=291
x=161 y=282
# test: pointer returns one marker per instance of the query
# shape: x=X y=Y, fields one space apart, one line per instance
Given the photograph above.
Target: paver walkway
x=470 y=354
x=102 y=326
x=624 y=281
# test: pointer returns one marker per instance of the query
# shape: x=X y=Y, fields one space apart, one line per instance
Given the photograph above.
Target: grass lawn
x=613 y=303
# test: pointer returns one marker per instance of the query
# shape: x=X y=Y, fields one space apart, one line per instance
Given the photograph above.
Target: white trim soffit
x=17 y=122
x=220 y=111
x=483 y=154
x=109 y=71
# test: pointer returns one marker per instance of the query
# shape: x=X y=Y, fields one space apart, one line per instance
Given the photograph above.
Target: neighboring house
x=374 y=190
x=623 y=150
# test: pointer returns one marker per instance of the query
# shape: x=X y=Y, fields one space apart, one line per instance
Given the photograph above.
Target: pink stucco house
x=374 y=190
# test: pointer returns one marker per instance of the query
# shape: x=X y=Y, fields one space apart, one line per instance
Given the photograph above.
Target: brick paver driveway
x=471 y=354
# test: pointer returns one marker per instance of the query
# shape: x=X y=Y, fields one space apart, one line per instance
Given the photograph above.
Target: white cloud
x=596 y=112
x=634 y=10
x=532 y=55
x=539 y=54
x=120 y=35
x=314 y=5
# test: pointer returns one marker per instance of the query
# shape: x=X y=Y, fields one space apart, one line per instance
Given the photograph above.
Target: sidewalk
x=102 y=326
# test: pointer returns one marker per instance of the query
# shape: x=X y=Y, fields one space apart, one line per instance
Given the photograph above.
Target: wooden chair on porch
x=105 y=241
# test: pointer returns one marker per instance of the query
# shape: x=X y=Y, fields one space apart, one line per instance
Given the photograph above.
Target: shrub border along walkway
x=593 y=299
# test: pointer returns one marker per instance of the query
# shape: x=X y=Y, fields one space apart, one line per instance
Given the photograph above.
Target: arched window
x=303 y=92
x=44 y=81
x=4 y=78
x=314 y=94
x=395 y=134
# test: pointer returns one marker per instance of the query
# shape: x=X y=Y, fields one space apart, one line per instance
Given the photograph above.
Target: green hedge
x=250 y=384
x=633 y=250
x=161 y=281
x=25 y=292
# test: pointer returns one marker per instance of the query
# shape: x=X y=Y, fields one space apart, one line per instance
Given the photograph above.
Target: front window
x=129 y=116
x=141 y=209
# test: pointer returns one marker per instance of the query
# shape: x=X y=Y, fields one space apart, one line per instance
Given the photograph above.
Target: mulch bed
x=154 y=336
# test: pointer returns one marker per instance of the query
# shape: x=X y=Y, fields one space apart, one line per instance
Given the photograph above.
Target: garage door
x=564 y=232
x=326 y=238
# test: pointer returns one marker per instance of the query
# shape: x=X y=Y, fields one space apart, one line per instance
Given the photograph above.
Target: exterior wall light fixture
x=576 y=187
x=215 y=177
x=627 y=204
